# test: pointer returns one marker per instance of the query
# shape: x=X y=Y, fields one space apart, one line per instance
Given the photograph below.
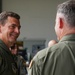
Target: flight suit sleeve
x=36 y=63
x=0 y=61
x=0 y=64
x=34 y=67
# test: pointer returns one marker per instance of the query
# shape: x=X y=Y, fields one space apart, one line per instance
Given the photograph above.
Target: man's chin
x=12 y=41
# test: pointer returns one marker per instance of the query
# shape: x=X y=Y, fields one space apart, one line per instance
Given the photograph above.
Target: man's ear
x=61 y=22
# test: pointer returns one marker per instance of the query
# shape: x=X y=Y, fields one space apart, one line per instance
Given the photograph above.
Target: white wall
x=37 y=17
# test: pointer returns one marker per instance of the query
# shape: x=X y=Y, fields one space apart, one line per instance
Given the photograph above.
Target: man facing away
x=60 y=58
x=9 y=32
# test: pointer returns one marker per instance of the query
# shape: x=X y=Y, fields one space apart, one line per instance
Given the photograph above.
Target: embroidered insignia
x=14 y=68
x=31 y=63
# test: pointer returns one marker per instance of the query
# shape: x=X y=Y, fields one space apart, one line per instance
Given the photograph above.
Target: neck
x=67 y=32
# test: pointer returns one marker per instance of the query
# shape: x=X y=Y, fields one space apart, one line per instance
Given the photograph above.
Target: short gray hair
x=68 y=10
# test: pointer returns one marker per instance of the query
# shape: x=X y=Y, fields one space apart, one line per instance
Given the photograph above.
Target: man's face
x=10 y=31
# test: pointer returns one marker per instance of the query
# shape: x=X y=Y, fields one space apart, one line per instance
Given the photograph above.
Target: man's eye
x=12 y=27
x=19 y=27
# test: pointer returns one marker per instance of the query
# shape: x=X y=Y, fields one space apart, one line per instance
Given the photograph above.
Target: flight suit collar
x=10 y=57
x=70 y=37
x=3 y=45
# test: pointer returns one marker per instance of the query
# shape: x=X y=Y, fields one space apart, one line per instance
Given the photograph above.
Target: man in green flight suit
x=9 y=32
x=58 y=59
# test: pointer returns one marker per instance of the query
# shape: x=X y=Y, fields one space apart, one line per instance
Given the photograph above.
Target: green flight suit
x=56 y=60
x=7 y=64
x=21 y=65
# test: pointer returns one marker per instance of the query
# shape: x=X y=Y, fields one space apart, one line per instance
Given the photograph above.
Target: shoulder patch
x=31 y=63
